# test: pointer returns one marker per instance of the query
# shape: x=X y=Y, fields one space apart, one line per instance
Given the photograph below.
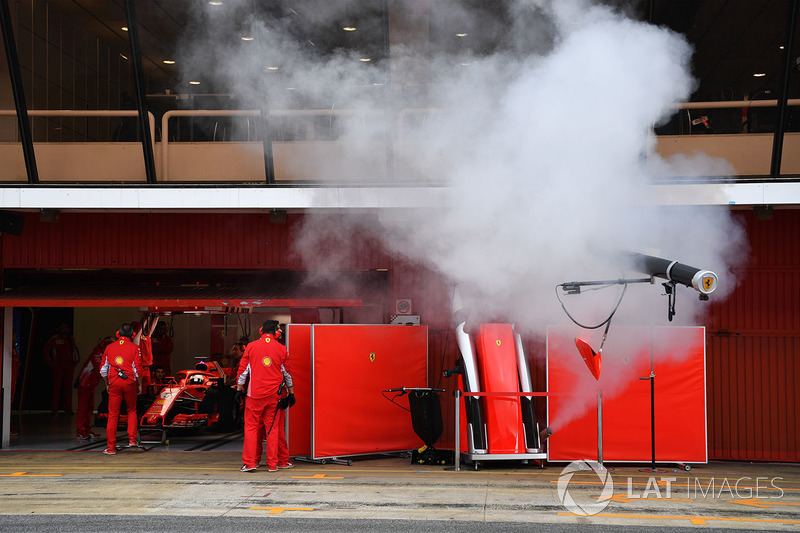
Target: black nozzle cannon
x=545 y=434
x=704 y=281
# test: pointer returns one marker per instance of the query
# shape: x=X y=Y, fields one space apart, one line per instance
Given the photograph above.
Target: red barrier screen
x=298 y=338
x=678 y=355
x=352 y=365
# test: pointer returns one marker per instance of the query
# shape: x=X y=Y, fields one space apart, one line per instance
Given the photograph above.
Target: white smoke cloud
x=545 y=145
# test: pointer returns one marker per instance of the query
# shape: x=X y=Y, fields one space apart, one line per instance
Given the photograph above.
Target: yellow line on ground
x=317 y=476
x=23 y=474
x=279 y=510
x=143 y=467
x=695 y=520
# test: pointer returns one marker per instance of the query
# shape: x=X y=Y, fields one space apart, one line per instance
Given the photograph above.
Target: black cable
x=604 y=322
x=383 y=393
x=244 y=326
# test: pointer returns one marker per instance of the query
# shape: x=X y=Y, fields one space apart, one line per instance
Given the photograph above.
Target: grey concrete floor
x=62 y=477
x=170 y=483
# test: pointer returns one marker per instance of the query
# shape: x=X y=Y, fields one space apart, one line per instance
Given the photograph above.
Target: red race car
x=195 y=398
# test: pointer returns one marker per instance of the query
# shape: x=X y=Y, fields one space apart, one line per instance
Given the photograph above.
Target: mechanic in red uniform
x=61 y=354
x=262 y=362
x=146 y=349
x=122 y=362
x=88 y=379
x=161 y=345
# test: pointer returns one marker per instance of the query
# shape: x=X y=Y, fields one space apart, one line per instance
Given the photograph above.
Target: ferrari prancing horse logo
x=498 y=342
x=372 y=357
x=266 y=361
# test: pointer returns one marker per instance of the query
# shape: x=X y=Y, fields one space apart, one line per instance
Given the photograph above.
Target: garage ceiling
x=734 y=40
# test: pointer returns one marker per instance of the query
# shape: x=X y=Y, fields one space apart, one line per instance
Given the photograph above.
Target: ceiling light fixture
x=168 y=62
x=365 y=59
x=123 y=56
x=759 y=74
x=461 y=34
x=273 y=68
x=194 y=83
x=290 y=88
x=124 y=28
x=215 y=3
x=349 y=28
x=247 y=38
x=780 y=47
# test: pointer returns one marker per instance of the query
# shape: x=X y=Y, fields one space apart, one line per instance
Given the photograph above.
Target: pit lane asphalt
x=49 y=490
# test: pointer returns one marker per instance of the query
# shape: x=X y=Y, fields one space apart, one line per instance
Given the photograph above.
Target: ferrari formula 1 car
x=194 y=399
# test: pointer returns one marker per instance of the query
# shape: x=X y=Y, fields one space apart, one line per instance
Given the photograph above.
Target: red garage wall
x=753 y=337
x=753 y=349
x=173 y=240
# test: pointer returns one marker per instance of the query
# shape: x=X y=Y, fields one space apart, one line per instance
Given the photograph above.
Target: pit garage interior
x=206 y=309
x=203 y=319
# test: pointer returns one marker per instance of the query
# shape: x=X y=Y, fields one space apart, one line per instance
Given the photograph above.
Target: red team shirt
x=261 y=362
x=122 y=354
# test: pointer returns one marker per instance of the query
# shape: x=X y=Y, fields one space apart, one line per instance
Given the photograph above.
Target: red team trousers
x=259 y=414
x=116 y=391
x=83 y=419
x=280 y=427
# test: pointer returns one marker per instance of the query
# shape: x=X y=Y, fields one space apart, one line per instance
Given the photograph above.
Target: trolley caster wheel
x=323 y=461
x=349 y=462
x=687 y=467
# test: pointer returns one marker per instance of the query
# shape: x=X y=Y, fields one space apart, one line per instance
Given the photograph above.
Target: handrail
x=85 y=113
x=732 y=104
x=193 y=113
x=401 y=116
x=241 y=113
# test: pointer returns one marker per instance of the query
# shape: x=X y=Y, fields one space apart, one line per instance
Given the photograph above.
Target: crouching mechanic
x=120 y=370
x=262 y=362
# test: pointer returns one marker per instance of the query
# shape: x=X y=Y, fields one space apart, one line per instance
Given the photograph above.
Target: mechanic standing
x=61 y=354
x=162 y=346
x=86 y=383
x=120 y=369
x=262 y=363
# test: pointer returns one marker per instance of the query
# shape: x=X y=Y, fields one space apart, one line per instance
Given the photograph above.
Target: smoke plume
x=542 y=133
